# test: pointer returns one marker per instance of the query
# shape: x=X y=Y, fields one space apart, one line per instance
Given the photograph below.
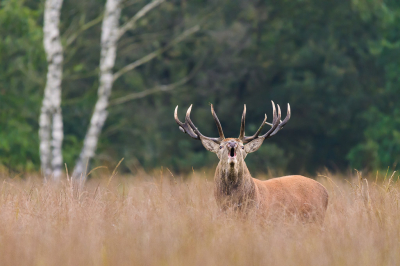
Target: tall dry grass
x=167 y=221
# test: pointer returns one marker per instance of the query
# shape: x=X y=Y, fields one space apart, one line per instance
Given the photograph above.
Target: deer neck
x=233 y=182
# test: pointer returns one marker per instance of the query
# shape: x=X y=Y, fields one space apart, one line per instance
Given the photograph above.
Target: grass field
x=144 y=220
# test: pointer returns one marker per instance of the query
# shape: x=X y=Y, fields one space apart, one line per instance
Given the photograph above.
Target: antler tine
x=275 y=122
x=188 y=120
x=184 y=127
x=194 y=128
x=220 y=132
x=242 y=124
x=248 y=139
x=282 y=123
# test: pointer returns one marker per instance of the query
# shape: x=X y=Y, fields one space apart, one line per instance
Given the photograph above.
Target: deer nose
x=231 y=144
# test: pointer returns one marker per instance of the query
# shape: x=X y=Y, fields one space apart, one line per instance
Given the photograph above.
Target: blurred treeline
x=337 y=62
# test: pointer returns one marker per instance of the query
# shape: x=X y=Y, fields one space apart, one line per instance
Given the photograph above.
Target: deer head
x=232 y=151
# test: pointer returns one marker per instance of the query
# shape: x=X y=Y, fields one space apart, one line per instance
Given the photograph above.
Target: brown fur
x=294 y=195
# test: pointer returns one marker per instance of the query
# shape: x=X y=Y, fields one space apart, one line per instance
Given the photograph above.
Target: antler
x=184 y=127
x=189 y=128
x=277 y=124
x=282 y=123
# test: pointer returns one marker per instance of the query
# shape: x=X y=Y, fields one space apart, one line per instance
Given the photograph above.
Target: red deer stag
x=234 y=187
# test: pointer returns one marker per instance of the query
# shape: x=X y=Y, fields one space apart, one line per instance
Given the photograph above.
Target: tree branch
x=131 y=24
x=152 y=55
x=88 y=25
x=169 y=87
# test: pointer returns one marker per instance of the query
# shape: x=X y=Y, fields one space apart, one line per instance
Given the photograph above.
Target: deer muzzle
x=231 y=151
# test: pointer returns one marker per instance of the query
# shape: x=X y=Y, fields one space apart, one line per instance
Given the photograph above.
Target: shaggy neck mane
x=234 y=184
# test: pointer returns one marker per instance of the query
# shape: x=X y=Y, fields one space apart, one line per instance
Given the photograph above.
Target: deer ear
x=210 y=145
x=253 y=145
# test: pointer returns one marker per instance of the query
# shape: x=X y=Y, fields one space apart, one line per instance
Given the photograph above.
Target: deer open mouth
x=232 y=152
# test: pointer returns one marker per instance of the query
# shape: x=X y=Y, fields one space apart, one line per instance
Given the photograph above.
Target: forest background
x=337 y=63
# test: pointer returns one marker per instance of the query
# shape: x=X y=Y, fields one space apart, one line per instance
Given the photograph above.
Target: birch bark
x=109 y=38
x=50 y=121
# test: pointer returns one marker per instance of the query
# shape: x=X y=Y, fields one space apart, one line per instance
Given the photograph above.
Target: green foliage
x=22 y=66
x=380 y=146
x=336 y=62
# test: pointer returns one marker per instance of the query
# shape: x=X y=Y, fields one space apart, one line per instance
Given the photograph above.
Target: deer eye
x=220 y=147
x=242 y=147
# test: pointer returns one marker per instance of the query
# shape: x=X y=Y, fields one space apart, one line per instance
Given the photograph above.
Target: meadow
x=161 y=219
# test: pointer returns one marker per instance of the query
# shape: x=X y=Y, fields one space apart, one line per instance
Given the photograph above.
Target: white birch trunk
x=109 y=38
x=50 y=121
